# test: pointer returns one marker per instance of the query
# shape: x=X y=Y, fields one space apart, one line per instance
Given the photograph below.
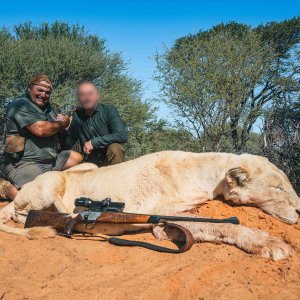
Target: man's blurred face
x=40 y=93
x=88 y=96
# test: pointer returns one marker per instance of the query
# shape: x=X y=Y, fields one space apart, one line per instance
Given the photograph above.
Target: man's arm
x=117 y=129
x=26 y=116
x=46 y=128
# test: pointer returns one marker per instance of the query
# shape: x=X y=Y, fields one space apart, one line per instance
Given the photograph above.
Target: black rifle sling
x=185 y=247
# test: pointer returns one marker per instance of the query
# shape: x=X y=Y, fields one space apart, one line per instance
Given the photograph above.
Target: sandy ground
x=75 y=269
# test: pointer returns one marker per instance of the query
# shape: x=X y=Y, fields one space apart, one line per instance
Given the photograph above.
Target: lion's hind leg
x=42 y=193
x=250 y=240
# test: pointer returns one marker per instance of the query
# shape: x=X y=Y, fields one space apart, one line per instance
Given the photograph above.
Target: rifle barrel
x=157 y=219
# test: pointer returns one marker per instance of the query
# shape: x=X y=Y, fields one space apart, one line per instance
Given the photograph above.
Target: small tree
x=228 y=75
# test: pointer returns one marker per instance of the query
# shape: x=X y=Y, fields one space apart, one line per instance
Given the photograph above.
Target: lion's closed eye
x=278 y=187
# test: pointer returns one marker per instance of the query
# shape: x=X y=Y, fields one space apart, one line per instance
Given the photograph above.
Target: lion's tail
x=31 y=233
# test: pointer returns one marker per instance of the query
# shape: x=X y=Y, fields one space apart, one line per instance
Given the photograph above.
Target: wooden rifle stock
x=57 y=221
x=65 y=223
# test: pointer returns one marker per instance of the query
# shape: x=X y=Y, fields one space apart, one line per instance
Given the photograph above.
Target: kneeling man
x=98 y=127
x=32 y=145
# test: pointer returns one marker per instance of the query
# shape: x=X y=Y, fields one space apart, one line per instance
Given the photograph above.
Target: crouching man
x=32 y=144
x=98 y=127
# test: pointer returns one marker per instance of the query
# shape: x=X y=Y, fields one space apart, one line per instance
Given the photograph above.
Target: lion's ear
x=237 y=177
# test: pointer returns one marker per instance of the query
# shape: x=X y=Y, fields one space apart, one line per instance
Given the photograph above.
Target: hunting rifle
x=106 y=211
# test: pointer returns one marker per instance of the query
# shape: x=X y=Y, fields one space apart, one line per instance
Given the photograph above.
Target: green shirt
x=103 y=128
x=22 y=112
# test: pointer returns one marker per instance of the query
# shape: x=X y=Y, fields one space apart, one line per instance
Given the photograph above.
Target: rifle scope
x=103 y=205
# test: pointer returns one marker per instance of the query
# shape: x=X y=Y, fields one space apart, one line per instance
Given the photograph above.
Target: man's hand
x=88 y=147
x=63 y=120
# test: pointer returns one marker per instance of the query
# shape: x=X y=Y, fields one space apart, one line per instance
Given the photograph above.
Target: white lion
x=169 y=182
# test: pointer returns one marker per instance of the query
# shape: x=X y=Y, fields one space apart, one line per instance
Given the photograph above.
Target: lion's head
x=259 y=183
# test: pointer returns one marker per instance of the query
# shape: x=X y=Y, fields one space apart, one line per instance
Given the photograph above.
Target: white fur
x=172 y=182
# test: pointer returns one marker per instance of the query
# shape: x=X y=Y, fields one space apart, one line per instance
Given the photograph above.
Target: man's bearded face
x=40 y=93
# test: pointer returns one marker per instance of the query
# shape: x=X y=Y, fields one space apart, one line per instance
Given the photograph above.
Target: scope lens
x=83 y=202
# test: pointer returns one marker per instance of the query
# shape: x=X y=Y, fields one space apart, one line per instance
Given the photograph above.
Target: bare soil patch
x=75 y=269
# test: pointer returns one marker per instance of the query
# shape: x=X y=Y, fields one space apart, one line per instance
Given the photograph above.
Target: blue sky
x=138 y=29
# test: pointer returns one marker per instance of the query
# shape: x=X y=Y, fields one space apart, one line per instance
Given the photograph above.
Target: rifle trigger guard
x=87 y=222
x=87 y=227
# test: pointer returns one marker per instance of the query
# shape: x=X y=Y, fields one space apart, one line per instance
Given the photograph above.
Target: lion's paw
x=259 y=242
x=275 y=249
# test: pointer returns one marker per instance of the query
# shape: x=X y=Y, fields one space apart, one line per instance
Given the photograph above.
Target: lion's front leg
x=250 y=240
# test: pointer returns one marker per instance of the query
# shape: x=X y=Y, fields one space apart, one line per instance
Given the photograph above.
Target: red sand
x=75 y=269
